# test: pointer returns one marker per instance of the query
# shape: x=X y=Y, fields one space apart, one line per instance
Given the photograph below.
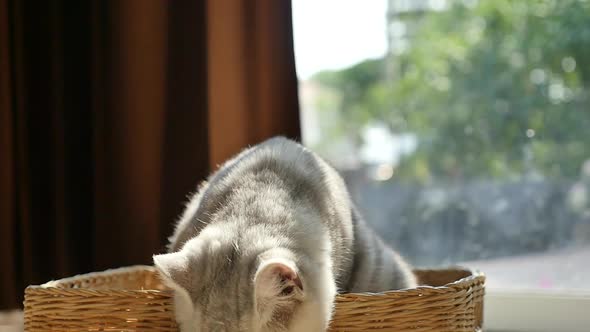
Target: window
x=463 y=131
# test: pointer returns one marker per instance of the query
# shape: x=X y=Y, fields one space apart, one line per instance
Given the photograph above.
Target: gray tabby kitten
x=268 y=242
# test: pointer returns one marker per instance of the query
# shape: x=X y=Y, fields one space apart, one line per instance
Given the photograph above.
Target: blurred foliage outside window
x=487 y=104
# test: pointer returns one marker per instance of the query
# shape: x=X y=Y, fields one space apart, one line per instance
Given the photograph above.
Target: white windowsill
x=537 y=311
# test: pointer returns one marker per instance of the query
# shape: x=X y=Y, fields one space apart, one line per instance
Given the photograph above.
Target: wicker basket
x=133 y=299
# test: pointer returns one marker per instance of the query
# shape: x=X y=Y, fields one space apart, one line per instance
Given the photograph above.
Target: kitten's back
x=361 y=260
x=313 y=184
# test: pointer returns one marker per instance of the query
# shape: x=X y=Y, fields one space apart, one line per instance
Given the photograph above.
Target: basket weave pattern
x=134 y=299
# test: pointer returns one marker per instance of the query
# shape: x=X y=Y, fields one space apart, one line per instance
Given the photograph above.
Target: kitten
x=268 y=241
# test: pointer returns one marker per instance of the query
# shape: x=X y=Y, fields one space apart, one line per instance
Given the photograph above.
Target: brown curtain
x=111 y=112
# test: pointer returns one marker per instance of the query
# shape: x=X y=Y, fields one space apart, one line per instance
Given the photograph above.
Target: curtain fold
x=253 y=45
x=111 y=112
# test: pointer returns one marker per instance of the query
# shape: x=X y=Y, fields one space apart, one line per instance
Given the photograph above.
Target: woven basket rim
x=53 y=284
x=473 y=276
x=451 y=285
x=133 y=298
x=118 y=270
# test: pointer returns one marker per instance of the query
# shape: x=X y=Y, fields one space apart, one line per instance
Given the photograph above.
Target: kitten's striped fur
x=267 y=242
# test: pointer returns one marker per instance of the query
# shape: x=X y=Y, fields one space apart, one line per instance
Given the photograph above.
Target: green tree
x=499 y=88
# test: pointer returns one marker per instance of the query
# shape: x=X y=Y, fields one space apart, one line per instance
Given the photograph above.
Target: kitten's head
x=224 y=284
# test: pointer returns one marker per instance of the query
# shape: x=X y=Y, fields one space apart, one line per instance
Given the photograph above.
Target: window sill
x=537 y=311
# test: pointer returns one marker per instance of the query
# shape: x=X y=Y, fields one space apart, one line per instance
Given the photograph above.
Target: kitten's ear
x=277 y=283
x=174 y=268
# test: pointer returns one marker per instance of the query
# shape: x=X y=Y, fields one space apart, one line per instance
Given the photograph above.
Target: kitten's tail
x=376 y=267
